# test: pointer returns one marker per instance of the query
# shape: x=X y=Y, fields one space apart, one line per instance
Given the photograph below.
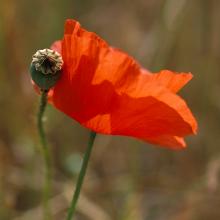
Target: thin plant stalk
x=46 y=155
x=82 y=173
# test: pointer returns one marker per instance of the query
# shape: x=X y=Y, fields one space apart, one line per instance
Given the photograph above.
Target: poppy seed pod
x=46 y=68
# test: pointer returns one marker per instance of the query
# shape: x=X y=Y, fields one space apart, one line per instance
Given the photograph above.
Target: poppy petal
x=119 y=64
x=156 y=123
x=160 y=112
x=129 y=77
x=102 y=124
x=174 y=142
x=172 y=80
x=107 y=91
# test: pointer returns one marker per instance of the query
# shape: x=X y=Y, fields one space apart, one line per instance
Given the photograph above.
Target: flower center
x=47 y=61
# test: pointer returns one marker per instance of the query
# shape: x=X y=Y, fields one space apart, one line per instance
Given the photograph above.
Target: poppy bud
x=45 y=68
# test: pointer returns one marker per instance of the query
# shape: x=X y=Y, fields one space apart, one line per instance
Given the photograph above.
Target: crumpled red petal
x=107 y=91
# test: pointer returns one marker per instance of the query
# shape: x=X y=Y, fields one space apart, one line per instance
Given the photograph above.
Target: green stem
x=47 y=184
x=82 y=173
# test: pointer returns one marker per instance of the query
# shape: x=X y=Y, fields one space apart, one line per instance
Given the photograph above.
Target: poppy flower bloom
x=107 y=91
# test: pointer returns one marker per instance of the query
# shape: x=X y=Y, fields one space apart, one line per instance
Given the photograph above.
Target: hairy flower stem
x=46 y=155
x=82 y=173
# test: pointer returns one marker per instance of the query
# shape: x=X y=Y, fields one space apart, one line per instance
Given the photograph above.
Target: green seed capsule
x=46 y=68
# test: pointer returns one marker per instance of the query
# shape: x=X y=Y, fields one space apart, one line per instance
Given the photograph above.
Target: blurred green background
x=127 y=179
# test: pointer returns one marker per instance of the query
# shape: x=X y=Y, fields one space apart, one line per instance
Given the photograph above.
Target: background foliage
x=127 y=179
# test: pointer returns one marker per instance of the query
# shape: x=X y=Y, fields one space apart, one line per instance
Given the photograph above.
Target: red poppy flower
x=108 y=92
